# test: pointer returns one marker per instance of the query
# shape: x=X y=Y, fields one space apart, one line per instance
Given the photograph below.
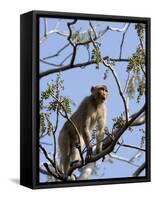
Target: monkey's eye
x=102 y=89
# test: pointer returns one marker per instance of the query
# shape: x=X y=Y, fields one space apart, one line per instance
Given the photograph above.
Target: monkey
x=90 y=113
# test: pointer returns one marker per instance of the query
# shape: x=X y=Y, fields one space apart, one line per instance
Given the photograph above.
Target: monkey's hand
x=89 y=152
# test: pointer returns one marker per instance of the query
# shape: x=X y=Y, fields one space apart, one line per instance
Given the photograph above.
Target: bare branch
x=57 y=170
x=55 y=30
x=52 y=173
x=95 y=35
x=119 y=87
x=60 y=68
x=114 y=156
x=58 y=52
x=118 y=29
x=48 y=63
x=66 y=58
x=45 y=27
x=139 y=121
x=131 y=146
x=123 y=38
x=126 y=85
x=70 y=31
x=139 y=170
x=46 y=155
x=108 y=143
x=66 y=67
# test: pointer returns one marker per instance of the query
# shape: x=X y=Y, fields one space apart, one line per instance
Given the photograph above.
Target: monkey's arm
x=100 y=133
x=86 y=134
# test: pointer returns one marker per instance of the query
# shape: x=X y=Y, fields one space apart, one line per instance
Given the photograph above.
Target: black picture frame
x=29 y=99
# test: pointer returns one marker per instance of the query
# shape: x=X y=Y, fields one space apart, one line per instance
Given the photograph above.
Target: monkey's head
x=99 y=92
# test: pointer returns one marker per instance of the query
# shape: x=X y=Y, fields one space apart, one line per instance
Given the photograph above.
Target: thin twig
x=67 y=57
x=46 y=155
x=49 y=63
x=119 y=87
x=57 y=53
x=123 y=38
x=45 y=27
x=114 y=156
x=118 y=29
x=131 y=146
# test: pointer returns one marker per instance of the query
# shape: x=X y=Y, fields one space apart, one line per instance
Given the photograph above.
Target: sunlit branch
x=118 y=29
x=140 y=120
x=114 y=156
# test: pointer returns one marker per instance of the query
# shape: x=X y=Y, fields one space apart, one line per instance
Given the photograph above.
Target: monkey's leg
x=99 y=138
x=75 y=155
x=65 y=163
x=87 y=136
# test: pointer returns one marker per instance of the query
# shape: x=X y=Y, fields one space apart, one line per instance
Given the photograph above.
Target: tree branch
x=123 y=38
x=57 y=53
x=131 y=146
x=66 y=67
x=114 y=156
x=119 y=87
x=139 y=170
x=108 y=143
x=74 y=126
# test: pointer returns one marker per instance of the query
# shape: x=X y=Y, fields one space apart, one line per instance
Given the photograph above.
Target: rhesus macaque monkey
x=90 y=113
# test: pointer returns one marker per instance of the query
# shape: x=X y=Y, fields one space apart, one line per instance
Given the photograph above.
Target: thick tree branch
x=108 y=143
x=140 y=120
x=68 y=67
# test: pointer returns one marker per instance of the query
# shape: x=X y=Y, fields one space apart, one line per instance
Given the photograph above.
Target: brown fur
x=90 y=113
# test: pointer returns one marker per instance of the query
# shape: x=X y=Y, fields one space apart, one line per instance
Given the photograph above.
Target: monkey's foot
x=72 y=177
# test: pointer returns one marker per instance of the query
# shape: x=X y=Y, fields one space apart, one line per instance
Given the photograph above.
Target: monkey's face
x=99 y=92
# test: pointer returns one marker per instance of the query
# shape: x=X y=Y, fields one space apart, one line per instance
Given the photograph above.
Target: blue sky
x=77 y=84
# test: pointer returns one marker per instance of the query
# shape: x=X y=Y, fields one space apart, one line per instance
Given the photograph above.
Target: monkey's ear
x=92 y=88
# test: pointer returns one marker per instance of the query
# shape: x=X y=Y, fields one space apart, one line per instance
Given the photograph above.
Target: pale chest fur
x=98 y=116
